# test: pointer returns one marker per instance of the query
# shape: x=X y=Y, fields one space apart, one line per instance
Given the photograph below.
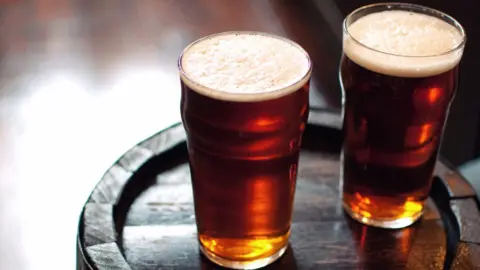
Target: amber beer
x=244 y=107
x=399 y=75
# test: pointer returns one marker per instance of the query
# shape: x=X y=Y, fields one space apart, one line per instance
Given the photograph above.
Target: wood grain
x=108 y=257
x=467 y=257
x=456 y=185
x=468 y=219
x=154 y=223
x=135 y=158
x=98 y=222
x=110 y=186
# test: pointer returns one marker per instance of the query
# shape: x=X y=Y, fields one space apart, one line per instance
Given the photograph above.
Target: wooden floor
x=81 y=81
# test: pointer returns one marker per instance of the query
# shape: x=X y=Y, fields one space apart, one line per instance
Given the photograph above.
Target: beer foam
x=244 y=66
x=404 y=43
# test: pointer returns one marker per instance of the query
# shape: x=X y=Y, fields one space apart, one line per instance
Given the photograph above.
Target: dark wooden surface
x=81 y=81
x=140 y=216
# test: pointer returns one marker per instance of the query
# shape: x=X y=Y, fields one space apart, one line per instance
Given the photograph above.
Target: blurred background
x=81 y=81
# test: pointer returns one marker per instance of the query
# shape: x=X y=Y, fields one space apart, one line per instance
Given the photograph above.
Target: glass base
x=383 y=223
x=242 y=264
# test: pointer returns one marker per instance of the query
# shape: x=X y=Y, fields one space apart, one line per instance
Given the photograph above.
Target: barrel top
x=140 y=215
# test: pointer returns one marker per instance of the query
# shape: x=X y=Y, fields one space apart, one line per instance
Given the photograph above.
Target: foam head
x=244 y=66
x=403 y=43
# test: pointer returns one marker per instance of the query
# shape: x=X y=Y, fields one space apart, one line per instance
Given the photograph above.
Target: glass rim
x=415 y=8
x=305 y=77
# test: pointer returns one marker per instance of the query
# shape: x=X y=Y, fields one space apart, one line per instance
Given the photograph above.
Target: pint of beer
x=399 y=75
x=244 y=107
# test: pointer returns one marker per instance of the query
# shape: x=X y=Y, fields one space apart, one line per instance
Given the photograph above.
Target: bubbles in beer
x=243 y=66
x=405 y=44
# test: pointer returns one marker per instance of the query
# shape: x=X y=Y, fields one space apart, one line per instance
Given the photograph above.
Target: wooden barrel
x=140 y=215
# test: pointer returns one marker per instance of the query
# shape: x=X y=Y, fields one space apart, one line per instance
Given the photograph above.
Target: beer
x=244 y=107
x=399 y=75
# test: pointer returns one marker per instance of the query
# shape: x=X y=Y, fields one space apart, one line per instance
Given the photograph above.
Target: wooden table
x=77 y=75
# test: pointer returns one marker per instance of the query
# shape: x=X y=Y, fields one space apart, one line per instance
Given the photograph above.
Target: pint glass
x=244 y=107
x=399 y=75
